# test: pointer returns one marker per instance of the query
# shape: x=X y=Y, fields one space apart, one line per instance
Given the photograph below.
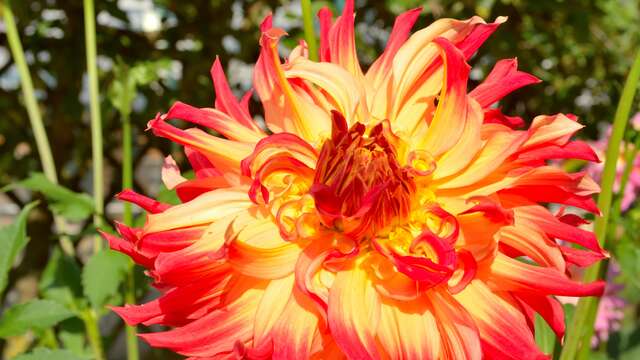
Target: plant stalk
x=309 y=31
x=96 y=122
x=90 y=320
x=35 y=117
x=127 y=217
x=578 y=341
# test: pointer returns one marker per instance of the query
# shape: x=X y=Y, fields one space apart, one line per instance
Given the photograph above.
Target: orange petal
x=464 y=151
x=226 y=102
x=270 y=309
x=534 y=244
x=171 y=176
x=503 y=328
x=551 y=130
x=502 y=80
x=451 y=114
x=354 y=312
x=215 y=120
x=203 y=210
x=342 y=88
x=342 y=42
x=408 y=330
x=224 y=154
x=234 y=324
x=513 y=275
x=284 y=109
x=458 y=332
x=258 y=251
x=296 y=329
x=494 y=152
x=381 y=68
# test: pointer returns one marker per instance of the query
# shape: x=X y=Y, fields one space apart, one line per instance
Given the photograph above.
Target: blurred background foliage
x=581 y=50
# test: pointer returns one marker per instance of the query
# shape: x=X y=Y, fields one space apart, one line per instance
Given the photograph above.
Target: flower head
x=386 y=214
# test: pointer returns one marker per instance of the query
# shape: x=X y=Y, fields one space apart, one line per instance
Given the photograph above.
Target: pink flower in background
x=632 y=189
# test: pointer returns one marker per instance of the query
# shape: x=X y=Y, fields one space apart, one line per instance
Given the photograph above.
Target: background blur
x=581 y=50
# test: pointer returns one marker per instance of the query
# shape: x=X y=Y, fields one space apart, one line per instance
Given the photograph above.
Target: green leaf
x=72 y=335
x=102 y=275
x=35 y=314
x=545 y=337
x=60 y=279
x=13 y=239
x=48 y=354
x=62 y=201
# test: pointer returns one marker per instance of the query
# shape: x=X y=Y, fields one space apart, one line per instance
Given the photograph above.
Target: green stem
x=127 y=166
x=49 y=339
x=309 y=32
x=96 y=122
x=579 y=333
x=35 y=118
x=127 y=217
x=130 y=298
x=90 y=320
x=39 y=132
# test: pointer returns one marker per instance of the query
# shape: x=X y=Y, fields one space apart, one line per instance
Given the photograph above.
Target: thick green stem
x=96 y=122
x=90 y=320
x=39 y=132
x=127 y=217
x=130 y=298
x=579 y=333
x=127 y=167
x=309 y=32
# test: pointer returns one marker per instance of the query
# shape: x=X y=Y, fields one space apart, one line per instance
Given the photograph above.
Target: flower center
x=359 y=185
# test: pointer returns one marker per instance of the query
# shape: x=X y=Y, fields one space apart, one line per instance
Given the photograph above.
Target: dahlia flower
x=383 y=214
